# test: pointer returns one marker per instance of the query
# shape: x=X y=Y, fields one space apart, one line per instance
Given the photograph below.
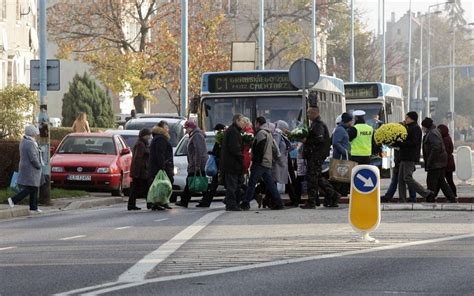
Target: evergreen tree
x=84 y=95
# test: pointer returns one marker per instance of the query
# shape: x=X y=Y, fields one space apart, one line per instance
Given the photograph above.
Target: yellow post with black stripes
x=364 y=205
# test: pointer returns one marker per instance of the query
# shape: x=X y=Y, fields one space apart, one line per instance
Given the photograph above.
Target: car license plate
x=79 y=178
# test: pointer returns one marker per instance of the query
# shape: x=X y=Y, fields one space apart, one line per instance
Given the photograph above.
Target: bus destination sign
x=250 y=82
x=361 y=91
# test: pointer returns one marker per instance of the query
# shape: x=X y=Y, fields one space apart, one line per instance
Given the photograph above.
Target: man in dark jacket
x=436 y=161
x=315 y=150
x=232 y=163
x=216 y=152
x=264 y=150
x=197 y=159
x=161 y=156
x=410 y=150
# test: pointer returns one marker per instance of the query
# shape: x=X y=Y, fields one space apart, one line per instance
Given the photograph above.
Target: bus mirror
x=194 y=106
x=388 y=108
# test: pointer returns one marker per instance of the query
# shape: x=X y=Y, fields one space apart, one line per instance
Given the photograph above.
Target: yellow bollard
x=364 y=205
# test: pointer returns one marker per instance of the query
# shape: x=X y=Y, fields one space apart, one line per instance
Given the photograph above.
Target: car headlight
x=176 y=171
x=103 y=170
x=57 y=169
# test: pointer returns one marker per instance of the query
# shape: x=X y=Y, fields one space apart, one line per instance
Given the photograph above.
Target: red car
x=94 y=162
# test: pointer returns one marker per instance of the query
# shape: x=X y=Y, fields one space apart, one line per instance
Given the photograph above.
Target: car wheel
x=119 y=191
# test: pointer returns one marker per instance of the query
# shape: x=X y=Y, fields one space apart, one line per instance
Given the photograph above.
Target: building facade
x=18 y=40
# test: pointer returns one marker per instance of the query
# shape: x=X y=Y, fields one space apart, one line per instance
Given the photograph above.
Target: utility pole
x=352 y=59
x=384 y=74
x=452 y=72
x=261 y=41
x=314 y=52
x=184 y=57
x=409 y=59
x=421 y=60
x=43 y=119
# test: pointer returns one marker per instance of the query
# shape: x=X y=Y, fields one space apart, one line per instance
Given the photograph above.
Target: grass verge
x=5 y=193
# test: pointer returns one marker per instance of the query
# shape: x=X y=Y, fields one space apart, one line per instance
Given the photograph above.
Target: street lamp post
x=409 y=58
x=261 y=41
x=184 y=57
x=384 y=74
x=352 y=62
x=314 y=52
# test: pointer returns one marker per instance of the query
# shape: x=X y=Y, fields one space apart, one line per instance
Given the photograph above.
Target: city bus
x=382 y=103
x=267 y=93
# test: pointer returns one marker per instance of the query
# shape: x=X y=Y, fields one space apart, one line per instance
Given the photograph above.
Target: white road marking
x=7 y=248
x=106 y=288
x=72 y=237
x=124 y=227
x=138 y=272
x=159 y=220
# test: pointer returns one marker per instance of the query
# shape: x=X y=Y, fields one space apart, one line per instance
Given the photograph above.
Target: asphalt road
x=115 y=251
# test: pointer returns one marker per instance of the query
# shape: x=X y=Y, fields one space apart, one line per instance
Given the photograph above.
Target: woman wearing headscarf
x=81 y=125
x=29 y=174
x=139 y=169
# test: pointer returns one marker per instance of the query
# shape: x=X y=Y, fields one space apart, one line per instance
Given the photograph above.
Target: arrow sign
x=367 y=181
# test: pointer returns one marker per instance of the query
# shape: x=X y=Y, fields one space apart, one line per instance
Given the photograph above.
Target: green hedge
x=9 y=160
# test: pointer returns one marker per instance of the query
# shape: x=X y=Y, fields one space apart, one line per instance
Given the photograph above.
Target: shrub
x=9 y=159
x=16 y=109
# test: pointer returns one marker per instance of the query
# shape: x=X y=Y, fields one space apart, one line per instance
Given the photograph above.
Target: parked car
x=181 y=163
x=121 y=119
x=176 y=126
x=130 y=136
x=92 y=161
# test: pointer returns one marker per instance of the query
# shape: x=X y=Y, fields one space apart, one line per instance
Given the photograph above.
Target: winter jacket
x=280 y=165
x=161 y=154
x=246 y=149
x=448 y=144
x=340 y=142
x=434 y=153
x=264 y=148
x=232 y=158
x=410 y=149
x=318 y=143
x=29 y=173
x=197 y=151
x=141 y=154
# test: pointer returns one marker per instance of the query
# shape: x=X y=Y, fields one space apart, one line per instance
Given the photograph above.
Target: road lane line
x=7 y=248
x=139 y=271
x=72 y=237
x=109 y=289
x=124 y=227
x=160 y=220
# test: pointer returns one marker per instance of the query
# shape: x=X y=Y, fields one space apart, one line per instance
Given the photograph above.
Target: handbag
x=211 y=166
x=14 y=183
x=340 y=169
x=160 y=190
x=197 y=183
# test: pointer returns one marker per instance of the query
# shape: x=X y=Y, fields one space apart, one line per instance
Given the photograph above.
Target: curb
x=22 y=211
x=427 y=207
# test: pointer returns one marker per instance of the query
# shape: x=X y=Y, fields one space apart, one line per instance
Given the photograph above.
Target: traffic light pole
x=43 y=119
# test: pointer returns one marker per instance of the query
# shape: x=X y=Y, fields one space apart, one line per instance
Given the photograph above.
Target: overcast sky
x=400 y=7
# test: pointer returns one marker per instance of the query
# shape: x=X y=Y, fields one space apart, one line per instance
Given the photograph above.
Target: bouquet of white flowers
x=247 y=138
x=298 y=133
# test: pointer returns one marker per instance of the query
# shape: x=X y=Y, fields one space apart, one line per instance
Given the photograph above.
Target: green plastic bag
x=198 y=183
x=160 y=190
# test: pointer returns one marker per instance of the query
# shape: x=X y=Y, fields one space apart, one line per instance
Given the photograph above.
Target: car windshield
x=182 y=148
x=88 y=145
x=176 y=129
x=221 y=110
x=374 y=113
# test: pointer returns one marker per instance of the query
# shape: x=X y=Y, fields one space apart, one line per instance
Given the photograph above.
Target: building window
x=3 y=9
x=3 y=72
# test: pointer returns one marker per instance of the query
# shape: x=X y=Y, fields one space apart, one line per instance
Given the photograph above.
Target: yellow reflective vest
x=362 y=144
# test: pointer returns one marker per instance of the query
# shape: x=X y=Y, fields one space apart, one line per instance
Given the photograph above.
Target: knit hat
x=144 y=132
x=413 y=115
x=427 y=122
x=282 y=125
x=219 y=127
x=346 y=117
x=190 y=124
x=31 y=131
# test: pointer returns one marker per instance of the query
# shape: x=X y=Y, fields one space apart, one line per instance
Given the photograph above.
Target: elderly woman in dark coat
x=139 y=169
x=161 y=157
x=451 y=167
x=30 y=175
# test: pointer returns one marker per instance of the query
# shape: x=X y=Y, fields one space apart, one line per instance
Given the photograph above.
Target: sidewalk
x=60 y=204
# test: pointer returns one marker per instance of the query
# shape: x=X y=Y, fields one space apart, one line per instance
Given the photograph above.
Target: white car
x=130 y=136
x=176 y=126
x=181 y=162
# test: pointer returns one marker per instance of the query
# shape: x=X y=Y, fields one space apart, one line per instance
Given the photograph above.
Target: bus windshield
x=375 y=115
x=221 y=110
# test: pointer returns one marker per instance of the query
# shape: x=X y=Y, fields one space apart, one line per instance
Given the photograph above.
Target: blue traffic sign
x=365 y=181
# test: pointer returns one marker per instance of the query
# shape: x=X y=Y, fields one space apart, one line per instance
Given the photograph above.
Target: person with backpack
x=264 y=151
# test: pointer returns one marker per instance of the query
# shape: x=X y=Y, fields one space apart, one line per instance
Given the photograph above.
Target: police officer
x=315 y=150
x=361 y=137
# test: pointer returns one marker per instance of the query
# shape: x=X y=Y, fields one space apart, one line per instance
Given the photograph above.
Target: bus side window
x=388 y=108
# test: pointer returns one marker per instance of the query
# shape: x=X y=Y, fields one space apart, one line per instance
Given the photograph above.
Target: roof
x=91 y=135
x=123 y=132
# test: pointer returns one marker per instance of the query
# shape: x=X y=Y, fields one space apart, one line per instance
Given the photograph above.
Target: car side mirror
x=125 y=151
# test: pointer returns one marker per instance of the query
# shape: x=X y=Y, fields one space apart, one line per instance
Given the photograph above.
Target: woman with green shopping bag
x=197 y=159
